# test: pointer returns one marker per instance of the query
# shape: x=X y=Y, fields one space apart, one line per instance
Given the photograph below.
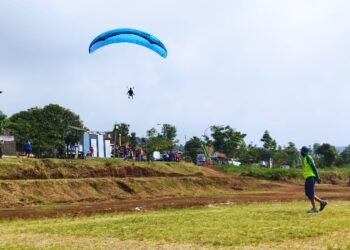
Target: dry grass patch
x=244 y=226
x=29 y=168
x=52 y=242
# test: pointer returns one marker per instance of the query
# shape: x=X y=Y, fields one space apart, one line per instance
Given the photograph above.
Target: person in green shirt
x=311 y=176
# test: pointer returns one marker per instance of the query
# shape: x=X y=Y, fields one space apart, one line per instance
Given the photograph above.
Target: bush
x=330 y=175
x=273 y=173
x=265 y=173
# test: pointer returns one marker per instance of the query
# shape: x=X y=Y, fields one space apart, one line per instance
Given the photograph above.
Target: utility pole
x=208 y=160
x=115 y=140
x=185 y=148
x=115 y=143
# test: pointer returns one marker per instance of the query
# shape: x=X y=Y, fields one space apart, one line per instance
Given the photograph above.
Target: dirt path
x=285 y=192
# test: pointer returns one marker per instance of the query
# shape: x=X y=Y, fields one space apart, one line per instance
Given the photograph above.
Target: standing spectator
x=176 y=155
x=139 y=154
x=91 y=149
x=61 y=152
x=28 y=148
x=126 y=153
x=1 y=143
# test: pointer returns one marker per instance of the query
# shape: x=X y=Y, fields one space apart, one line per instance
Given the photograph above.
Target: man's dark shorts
x=310 y=187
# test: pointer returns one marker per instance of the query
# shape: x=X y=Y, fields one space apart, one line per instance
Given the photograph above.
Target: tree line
x=53 y=127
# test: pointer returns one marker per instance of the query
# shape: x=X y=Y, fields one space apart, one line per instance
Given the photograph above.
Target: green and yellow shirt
x=309 y=167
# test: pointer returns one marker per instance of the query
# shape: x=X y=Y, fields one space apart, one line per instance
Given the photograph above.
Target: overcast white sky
x=281 y=66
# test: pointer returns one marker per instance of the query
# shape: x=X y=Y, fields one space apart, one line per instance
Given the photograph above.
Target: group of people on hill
x=171 y=156
x=128 y=153
x=139 y=154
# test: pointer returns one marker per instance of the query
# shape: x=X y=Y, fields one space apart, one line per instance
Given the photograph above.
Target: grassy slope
x=24 y=168
x=32 y=181
x=35 y=192
x=51 y=181
x=257 y=226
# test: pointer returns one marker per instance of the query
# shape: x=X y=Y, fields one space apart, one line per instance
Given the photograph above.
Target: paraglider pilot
x=130 y=93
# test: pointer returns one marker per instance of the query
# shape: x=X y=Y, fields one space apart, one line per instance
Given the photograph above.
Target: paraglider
x=130 y=93
x=127 y=35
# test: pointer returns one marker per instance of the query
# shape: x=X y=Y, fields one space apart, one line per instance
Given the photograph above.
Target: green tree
x=269 y=147
x=47 y=128
x=193 y=147
x=207 y=141
x=286 y=156
x=121 y=132
x=345 y=156
x=248 y=154
x=169 y=131
x=158 y=143
x=133 y=140
x=243 y=153
x=227 y=140
x=293 y=159
x=2 y=121
x=280 y=158
x=269 y=143
x=151 y=133
x=315 y=147
x=328 y=154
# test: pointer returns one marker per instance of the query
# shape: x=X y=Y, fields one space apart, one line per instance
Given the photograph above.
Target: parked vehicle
x=157 y=156
x=200 y=160
x=233 y=162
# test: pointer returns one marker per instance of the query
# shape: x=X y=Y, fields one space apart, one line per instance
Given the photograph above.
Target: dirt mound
x=14 y=193
x=35 y=188
x=122 y=172
x=213 y=171
x=288 y=193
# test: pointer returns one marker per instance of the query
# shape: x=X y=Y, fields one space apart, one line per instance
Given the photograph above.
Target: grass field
x=276 y=225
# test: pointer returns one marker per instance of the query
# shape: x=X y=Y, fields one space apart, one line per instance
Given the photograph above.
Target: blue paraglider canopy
x=127 y=35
